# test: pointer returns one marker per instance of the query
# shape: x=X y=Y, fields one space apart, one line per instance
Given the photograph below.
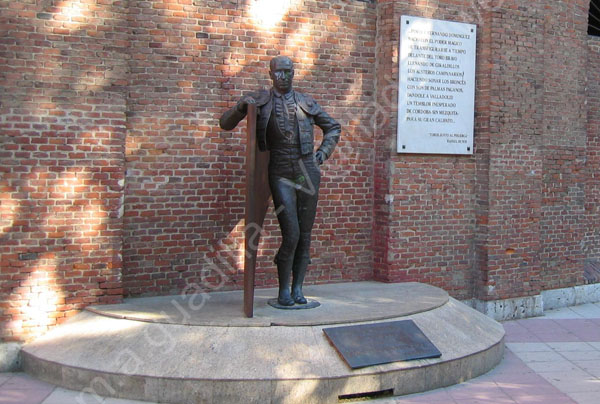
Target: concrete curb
x=10 y=357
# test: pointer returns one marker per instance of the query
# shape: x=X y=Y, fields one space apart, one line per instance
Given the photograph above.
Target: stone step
x=200 y=349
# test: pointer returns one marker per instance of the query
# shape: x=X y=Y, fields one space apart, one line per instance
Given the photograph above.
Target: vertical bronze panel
x=257 y=201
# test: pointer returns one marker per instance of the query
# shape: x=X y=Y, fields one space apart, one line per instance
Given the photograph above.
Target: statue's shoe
x=300 y=299
x=285 y=301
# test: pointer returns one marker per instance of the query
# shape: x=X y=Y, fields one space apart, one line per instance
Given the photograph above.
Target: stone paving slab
x=543 y=363
x=23 y=389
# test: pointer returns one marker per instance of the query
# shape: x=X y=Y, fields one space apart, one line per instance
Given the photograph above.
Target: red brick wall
x=62 y=133
x=514 y=172
x=190 y=61
x=592 y=189
x=425 y=205
x=115 y=179
x=508 y=221
x=562 y=225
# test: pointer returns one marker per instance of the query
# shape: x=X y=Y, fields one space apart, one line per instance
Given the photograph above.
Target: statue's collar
x=278 y=94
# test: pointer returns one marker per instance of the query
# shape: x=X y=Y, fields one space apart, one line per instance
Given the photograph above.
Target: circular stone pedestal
x=200 y=348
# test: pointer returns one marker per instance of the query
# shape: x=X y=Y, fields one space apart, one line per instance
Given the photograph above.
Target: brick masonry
x=184 y=206
x=116 y=181
x=62 y=123
x=592 y=187
x=424 y=204
x=512 y=217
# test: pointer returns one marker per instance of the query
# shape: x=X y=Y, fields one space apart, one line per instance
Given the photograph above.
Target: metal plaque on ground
x=374 y=344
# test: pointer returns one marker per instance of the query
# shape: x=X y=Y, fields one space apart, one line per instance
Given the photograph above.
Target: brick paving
x=553 y=359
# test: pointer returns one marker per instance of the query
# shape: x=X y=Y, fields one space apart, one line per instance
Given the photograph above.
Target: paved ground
x=553 y=359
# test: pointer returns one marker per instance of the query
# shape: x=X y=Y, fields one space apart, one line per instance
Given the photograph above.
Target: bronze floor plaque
x=374 y=344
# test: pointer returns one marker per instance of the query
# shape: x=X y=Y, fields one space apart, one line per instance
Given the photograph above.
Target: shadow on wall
x=184 y=198
x=62 y=163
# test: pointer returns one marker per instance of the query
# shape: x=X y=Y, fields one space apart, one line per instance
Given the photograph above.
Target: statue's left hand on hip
x=320 y=157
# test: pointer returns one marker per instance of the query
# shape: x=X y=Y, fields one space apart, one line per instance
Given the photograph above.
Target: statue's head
x=282 y=73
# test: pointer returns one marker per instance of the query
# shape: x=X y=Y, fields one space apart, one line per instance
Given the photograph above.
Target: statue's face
x=282 y=74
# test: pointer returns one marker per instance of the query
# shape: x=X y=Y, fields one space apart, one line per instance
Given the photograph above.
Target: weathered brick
x=116 y=181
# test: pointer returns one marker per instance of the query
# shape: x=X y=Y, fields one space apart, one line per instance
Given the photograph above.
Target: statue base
x=201 y=348
x=311 y=304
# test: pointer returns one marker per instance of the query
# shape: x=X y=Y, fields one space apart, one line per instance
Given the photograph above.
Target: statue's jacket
x=308 y=113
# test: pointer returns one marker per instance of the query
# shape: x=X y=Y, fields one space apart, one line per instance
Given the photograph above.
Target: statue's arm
x=331 y=131
x=231 y=118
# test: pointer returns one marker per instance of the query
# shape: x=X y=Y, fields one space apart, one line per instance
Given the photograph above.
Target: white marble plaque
x=436 y=98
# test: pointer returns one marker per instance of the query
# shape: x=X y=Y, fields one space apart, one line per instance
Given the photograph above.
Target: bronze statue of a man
x=285 y=127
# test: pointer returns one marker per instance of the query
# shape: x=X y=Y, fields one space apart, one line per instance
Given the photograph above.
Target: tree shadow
x=62 y=164
x=180 y=162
